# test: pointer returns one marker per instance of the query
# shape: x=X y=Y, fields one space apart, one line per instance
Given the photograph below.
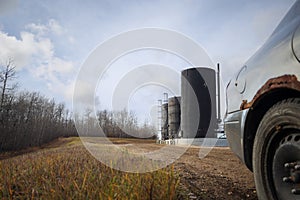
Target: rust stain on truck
x=285 y=81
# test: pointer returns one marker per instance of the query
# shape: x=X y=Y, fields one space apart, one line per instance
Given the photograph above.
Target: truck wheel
x=276 y=152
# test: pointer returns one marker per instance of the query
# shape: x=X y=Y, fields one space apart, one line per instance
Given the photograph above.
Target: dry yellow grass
x=70 y=172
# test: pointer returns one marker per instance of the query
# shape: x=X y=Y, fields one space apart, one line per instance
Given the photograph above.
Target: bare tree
x=7 y=74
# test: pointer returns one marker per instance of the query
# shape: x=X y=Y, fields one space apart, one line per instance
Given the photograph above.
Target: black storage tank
x=198 y=103
x=164 y=121
x=174 y=116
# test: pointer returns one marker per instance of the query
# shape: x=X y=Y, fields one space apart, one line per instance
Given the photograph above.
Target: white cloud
x=64 y=88
x=20 y=50
x=61 y=66
x=55 y=27
x=34 y=51
x=54 y=65
x=71 y=39
x=28 y=51
x=52 y=27
x=37 y=28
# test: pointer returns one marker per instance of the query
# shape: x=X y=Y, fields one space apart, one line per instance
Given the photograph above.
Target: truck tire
x=276 y=152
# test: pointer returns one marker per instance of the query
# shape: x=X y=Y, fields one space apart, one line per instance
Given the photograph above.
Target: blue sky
x=50 y=40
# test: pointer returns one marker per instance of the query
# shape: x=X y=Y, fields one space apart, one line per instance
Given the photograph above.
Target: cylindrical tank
x=174 y=116
x=164 y=121
x=198 y=102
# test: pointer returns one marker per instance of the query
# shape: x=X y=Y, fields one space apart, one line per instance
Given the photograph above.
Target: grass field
x=65 y=170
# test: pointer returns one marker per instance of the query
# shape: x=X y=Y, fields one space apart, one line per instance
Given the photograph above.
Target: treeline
x=27 y=118
x=30 y=119
x=121 y=124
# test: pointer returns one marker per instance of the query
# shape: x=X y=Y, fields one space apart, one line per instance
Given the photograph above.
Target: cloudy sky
x=50 y=40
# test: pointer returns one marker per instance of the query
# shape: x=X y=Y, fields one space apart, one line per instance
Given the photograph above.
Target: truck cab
x=262 y=121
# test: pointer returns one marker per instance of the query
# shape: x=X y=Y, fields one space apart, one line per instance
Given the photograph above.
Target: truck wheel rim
x=286 y=167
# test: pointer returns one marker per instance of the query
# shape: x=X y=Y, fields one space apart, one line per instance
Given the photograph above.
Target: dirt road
x=220 y=175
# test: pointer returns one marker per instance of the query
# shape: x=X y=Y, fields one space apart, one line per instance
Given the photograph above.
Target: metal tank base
x=201 y=142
